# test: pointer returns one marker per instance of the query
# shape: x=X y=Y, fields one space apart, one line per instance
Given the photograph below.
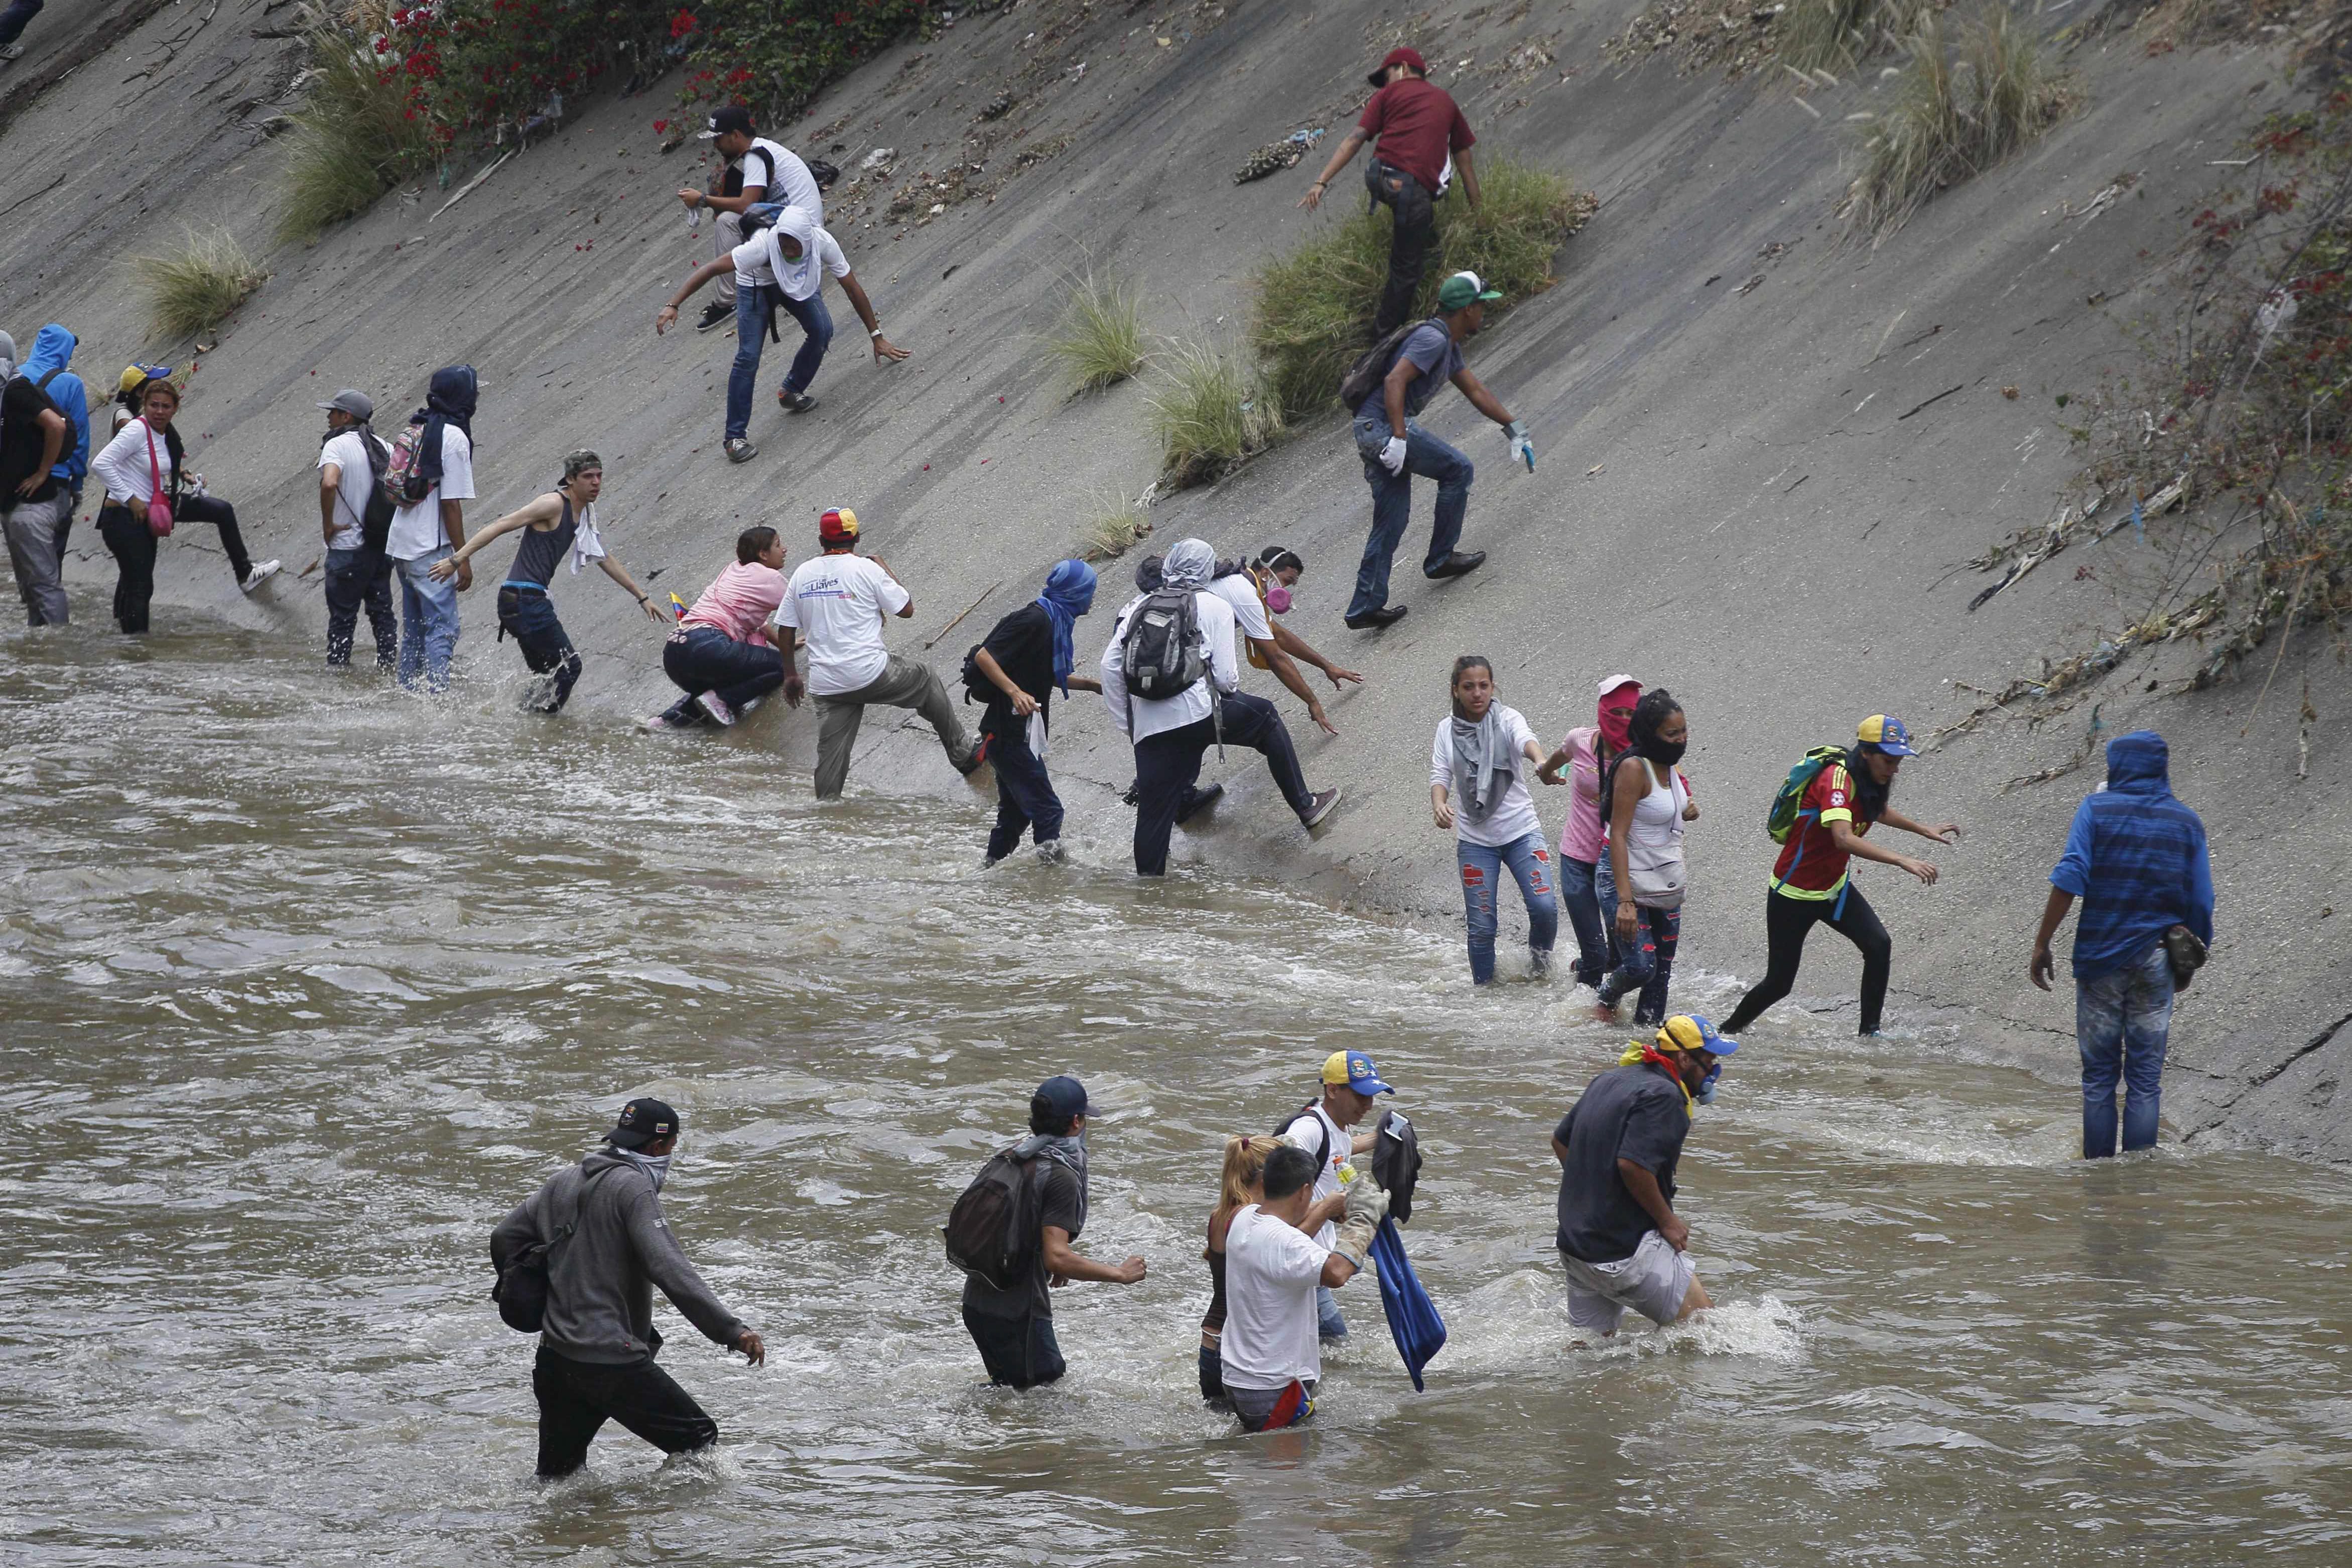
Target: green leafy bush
x=194 y=288
x=1209 y=413
x=1955 y=112
x=1099 y=337
x=1312 y=309
x=410 y=86
x=1832 y=35
x=1112 y=535
x=351 y=141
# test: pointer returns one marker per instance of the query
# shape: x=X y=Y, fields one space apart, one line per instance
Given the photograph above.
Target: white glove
x=1515 y=436
x=1392 y=455
x=1366 y=1201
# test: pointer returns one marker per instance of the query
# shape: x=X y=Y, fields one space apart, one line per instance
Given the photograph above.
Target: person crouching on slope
x=562 y=521
x=720 y=655
x=783 y=266
x=1810 y=880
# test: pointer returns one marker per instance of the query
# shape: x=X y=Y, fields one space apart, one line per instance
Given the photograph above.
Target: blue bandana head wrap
x=1070 y=594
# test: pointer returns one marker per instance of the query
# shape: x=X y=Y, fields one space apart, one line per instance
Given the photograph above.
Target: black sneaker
x=717 y=313
x=1373 y=620
x=1457 y=565
x=794 y=402
x=1201 y=800
x=1325 y=803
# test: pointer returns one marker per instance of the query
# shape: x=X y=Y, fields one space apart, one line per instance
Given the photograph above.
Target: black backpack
x=1323 y=1134
x=375 y=523
x=1364 y=376
x=992 y=1232
x=1162 y=653
x=977 y=687
x=521 y=1290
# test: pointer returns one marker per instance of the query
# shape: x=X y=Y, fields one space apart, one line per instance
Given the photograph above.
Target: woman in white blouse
x=1478 y=766
x=146 y=455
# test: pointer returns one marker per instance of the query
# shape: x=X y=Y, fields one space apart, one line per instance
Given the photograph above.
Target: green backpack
x=1788 y=805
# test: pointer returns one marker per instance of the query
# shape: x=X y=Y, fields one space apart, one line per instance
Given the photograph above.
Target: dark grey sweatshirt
x=600 y=1304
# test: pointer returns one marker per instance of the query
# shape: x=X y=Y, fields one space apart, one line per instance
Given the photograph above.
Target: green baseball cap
x=1465 y=289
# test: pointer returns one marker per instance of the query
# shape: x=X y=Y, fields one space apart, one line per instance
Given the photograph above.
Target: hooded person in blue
x=45 y=367
x=2136 y=857
x=1029 y=654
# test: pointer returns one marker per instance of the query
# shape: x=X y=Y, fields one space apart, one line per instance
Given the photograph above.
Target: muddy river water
x=305 y=984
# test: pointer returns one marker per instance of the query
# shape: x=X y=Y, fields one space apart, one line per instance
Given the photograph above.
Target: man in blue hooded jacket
x=2136 y=857
x=36 y=531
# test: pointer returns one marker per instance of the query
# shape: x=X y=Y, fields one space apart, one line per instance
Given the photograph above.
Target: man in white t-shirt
x=1171 y=733
x=1274 y=1274
x=427 y=531
x=784 y=266
x=756 y=171
x=1324 y=1131
x=835 y=603
x=350 y=459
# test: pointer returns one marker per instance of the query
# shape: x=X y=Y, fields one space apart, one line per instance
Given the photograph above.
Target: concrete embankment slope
x=1765 y=458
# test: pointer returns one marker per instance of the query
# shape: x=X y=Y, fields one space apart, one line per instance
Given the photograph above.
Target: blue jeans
x=1329 y=1323
x=1432 y=459
x=2122 y=1020
x=751 y=338
x=12 y=22
x=704 y=658
x=1647 y=964
x=1024 y=794
x=1577 y=896
x=1481 y=868
x=428 y=621
x=526 y=616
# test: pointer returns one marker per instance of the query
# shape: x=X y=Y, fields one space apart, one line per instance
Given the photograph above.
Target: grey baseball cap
x=358 y=404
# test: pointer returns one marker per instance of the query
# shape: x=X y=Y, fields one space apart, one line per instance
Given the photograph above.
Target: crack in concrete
x=2315 y=1043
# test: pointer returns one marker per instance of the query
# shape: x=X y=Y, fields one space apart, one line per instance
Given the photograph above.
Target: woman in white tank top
x=1649 y=804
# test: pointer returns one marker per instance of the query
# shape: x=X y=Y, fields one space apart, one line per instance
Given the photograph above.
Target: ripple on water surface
x=308 y=983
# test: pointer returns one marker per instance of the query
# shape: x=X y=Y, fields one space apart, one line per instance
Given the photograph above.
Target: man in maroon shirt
x=1422 y=140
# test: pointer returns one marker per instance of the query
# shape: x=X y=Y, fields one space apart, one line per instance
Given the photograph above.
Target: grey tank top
x=542 y=551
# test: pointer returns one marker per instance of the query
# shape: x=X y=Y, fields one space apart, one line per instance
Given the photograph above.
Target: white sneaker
x=1051 y=852
x=711 y=703
x=263 y=571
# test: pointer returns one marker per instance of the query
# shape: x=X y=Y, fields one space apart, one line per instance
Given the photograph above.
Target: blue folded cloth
x=1419 y=1332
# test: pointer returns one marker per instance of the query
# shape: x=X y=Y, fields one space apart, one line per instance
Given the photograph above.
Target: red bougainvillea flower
x=660 y=125
x=681 y=24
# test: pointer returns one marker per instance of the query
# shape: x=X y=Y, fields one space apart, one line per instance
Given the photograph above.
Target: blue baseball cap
x=1354 y=1070
x=1058 y=1099
x=1689 y=1032
x=1885 y=732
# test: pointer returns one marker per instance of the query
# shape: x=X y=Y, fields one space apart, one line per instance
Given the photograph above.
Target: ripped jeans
x=1529 y=860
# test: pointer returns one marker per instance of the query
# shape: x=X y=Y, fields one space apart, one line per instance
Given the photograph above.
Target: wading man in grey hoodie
x=596 y=1351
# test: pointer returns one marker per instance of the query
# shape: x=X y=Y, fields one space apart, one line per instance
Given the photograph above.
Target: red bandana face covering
x=1616 y=718
x=1652 y=1057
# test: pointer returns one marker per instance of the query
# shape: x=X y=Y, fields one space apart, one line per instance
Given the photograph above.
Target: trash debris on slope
x=1700 y=33
x=2032 y=547
x=1276 y=156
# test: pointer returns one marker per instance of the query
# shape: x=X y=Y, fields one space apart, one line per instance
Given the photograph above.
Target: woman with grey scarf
x=1477 y=786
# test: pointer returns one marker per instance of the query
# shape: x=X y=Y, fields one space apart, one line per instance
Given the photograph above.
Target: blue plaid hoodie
x=2136 y=857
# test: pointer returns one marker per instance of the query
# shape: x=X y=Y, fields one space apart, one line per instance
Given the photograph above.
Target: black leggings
x=134 y=564
x=576 y=1397
x=223 y=516
x=1788 y=922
